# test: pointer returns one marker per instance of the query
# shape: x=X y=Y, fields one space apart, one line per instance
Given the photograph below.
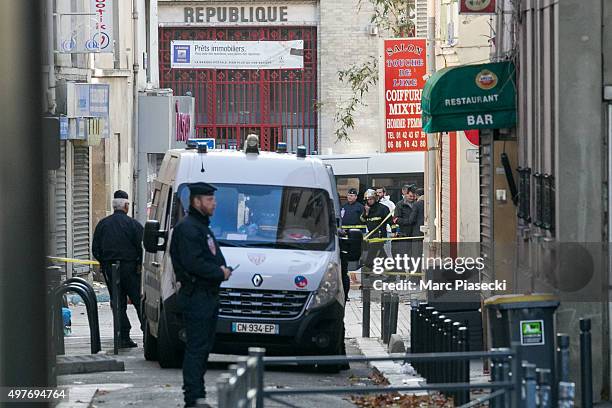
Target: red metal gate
x=278 y=104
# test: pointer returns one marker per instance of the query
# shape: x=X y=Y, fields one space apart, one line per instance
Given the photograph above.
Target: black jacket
x=351 y=213
x=195 y=253
x=409 y=219
x=378 y=212
x=417 y=218
x=118 y=237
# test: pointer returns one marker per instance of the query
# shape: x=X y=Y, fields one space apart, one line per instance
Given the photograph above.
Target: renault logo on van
x=257 y=280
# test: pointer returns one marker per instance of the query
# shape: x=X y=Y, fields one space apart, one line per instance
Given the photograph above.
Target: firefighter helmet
x=369 y=194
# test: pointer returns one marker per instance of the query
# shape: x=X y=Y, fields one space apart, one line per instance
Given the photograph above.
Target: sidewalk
x=396 y=373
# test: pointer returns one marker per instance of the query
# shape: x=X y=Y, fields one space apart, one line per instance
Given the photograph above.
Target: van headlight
x=329 y=289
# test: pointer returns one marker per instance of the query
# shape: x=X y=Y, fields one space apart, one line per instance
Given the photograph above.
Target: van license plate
x=259 y=328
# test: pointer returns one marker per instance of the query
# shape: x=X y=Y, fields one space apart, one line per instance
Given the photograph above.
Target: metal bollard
x=455 y=366
x=529 y=386
x=420 y=335
x=464 y=370
x=563 y=357
x=385 y=301
x=394 y=314
x=365 y=318
x=439 y=342
x=259 y=354
x=586 y=361
x=544 y=389
x=414 y=304
x=567 y=393
x=430 y=344
x=448 y=344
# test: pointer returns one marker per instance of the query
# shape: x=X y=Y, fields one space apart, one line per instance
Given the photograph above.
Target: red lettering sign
x=405 y=65
x=183 y=125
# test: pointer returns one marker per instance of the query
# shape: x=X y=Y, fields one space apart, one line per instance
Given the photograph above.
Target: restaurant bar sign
x=470 y=97
x=237 y=54
x=404 y=67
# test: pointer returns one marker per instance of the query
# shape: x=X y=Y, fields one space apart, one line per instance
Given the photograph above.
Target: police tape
x=354 y=227
x=73 y=260
x=370 y=240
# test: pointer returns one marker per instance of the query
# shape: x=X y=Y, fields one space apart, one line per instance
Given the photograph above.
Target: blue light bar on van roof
x=194 y=143
x=281 y=147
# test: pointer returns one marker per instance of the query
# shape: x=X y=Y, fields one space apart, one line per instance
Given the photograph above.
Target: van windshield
x=270 y=216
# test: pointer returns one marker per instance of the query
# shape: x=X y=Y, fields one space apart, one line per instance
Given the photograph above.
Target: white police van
x=276 y=217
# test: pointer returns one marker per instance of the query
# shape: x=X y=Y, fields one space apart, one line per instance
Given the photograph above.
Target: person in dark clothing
x=350 y=213
x=376 y=217
x=409 y=216
x=352 y=210
x=118 y=238
x=200 y=267
x=416 y=220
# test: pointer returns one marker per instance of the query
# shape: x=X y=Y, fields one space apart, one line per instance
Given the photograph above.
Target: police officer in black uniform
x=118 y=238
x=200 y=267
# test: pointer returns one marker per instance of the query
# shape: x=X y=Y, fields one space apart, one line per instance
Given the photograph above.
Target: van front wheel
x=168 y=352
x=339 y=350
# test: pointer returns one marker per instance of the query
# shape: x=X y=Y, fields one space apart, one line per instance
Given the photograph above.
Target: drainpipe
x=606 y=311
x=51 y=106
x=136 y=69
x=431 y=137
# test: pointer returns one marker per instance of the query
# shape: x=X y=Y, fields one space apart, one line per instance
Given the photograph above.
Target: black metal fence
x=86 y=292
x=439 y=352
x=243 y=386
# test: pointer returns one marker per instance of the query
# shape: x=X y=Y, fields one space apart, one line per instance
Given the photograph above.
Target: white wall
x=469 y=45
x=344 y=40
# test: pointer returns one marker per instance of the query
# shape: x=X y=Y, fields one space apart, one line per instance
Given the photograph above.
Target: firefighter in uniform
x=200 y=267
x=376 y=217
x=118 y=238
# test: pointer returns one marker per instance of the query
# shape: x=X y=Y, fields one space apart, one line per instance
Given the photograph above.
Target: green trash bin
x=527 y=320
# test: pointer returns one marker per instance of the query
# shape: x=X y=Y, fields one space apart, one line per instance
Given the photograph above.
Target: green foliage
x=360 y=78
x=393 y=16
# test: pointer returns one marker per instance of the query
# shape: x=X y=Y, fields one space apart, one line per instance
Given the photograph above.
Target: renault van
x=276 y=217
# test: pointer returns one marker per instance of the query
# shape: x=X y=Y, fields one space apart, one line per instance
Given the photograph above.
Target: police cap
x=202 y=189
x=353 y=191
x=120 y=194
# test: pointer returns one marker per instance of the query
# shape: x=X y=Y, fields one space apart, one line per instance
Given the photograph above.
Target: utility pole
x=432 y=139
x=24 y=341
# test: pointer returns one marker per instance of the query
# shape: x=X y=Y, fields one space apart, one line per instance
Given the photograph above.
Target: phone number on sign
x=25 y=394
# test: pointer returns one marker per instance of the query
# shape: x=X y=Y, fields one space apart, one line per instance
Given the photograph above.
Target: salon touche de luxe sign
x=470 y=97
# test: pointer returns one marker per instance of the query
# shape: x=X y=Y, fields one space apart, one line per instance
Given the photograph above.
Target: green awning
x=470 y=97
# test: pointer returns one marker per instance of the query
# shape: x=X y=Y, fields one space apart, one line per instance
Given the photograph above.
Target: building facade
x=564 y=74
x=296 y=106
x=96 y=61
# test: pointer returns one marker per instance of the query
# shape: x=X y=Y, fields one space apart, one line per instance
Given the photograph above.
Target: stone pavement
x=398 y=374
x=78 y=344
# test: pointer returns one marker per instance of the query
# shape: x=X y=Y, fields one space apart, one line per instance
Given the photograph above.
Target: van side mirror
x=152 y=235
x=351 y=245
